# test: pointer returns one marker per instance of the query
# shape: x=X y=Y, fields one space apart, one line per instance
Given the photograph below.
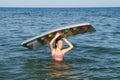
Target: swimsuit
x=57 y=56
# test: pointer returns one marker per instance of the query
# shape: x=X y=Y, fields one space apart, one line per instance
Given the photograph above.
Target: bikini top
x=57 y=56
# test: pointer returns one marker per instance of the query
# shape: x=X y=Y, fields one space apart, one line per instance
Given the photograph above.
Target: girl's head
x=58 y=43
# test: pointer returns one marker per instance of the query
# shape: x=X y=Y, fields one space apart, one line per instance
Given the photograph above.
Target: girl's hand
x=57 y=34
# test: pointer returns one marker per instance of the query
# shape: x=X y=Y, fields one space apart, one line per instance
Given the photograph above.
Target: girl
x=58 y=52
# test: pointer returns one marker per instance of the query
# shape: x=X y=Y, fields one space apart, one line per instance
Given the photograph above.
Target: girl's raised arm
x=51 y=42
x=69 y=44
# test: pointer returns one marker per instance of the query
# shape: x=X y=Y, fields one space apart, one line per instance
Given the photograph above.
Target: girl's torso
x=57 y=55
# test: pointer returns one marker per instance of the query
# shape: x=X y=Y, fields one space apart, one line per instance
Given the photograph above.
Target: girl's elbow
x=72 y=47
x=50 y=43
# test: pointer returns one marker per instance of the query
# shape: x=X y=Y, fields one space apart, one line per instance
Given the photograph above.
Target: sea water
x=95 y=56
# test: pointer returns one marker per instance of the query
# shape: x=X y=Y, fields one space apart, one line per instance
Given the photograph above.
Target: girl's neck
x=58 y=49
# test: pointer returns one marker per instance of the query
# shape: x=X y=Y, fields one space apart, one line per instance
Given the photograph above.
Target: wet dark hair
x=59 y=38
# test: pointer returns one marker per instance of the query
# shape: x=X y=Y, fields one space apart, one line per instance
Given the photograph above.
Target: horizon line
x=61 y=7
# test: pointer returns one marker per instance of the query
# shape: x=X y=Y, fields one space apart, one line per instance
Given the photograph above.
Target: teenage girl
x=57 y=51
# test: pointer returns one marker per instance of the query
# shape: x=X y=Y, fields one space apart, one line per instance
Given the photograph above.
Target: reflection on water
x=50 y=69
x=53 y=69
x=60 y=69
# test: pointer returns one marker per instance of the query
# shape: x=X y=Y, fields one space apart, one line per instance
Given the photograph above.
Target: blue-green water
x=95 y=56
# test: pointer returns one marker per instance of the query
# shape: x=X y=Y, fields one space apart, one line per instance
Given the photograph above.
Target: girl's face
x=59 y=44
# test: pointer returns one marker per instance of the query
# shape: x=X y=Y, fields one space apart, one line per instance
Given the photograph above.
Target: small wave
x=107 y=25
x=116 y=33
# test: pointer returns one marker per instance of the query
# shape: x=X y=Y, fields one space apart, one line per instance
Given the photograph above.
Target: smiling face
x=59 y=44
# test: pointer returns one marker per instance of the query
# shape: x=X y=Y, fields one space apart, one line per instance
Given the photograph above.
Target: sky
x=59 y=3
